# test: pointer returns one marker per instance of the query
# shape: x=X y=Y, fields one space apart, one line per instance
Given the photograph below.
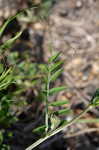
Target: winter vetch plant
x=53 y=124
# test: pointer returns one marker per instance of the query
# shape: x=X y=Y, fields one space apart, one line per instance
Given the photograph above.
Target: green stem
x=50 y=134
x=46 y=108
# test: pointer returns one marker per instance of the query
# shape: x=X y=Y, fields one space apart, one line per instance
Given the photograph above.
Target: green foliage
x=63 y=112
x=23 y=74
x=56 y=124
x=52 y=71
x=9 y=42
x=56 y=90
x=55 y=66
x=95 y=98
x=2 y=145
x=56 y=75
x=40 y=129
x=6 y=23
x=6 y=78
x=54 y=58
x=6 y=117
x=1 y=68
x=96 y=101
x=59 y=103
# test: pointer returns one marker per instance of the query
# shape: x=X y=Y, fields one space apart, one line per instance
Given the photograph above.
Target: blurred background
x=68 y=26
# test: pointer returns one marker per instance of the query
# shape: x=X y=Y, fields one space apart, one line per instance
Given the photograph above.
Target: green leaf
x=4 y=85
x=56 y=75
x=43 y=68
x=55 y=66
x=9 y=42
x=1 y=68
x=57 y=89
x=54 y=57
x=6 y=78
x=1 y=137
x=5 y=73
x=39 y=129
x=63 y=111
x=95 y=101
x=6 y=23
x=59 y=103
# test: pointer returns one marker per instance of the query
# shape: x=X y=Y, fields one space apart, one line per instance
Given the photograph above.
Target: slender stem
x=50 y=134
x=47 y=97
